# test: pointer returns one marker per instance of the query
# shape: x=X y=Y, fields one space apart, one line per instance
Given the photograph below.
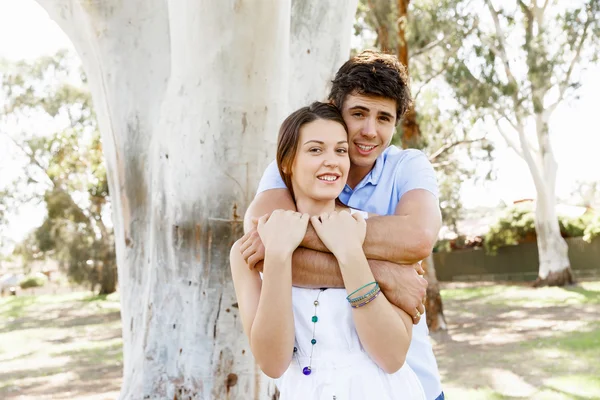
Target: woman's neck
x=314 y=207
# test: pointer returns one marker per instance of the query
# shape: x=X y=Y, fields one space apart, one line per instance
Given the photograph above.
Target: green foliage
x=592 y=229
x=434 y=34
x=33 y=280
x=513 y=227
x=64 y=169
x=517 y=225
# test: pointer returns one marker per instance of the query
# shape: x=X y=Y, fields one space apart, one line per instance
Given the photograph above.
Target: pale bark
x=552 y=248
x=320 y=43
x=189 y=96
x=554 y=265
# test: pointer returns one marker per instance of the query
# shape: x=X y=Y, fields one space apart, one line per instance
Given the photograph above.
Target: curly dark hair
x=373 y=73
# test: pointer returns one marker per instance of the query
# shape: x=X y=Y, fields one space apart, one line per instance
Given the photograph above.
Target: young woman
x=338 y=344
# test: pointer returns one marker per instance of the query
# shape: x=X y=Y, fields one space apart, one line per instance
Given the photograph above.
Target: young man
x=371 y=90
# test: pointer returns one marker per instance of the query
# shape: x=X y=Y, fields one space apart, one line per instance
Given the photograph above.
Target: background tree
x=521 y=62
x=425 y=36
x=64 y=168
x=189 y=96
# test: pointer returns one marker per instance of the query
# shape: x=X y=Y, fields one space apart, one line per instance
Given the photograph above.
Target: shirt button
x=346 y=190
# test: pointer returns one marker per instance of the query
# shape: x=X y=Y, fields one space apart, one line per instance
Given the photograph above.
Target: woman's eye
x=342 y=150
x=315 y=150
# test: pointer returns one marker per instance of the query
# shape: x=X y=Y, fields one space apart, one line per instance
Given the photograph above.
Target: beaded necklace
x=308 y=369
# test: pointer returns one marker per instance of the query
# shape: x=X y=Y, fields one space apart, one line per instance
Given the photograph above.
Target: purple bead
x=306 y=371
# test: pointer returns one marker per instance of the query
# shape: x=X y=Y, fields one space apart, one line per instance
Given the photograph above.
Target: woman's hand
x=340 y=231
x=282 y=231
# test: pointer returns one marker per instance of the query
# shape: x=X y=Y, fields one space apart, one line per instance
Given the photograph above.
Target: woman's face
x=321 y=165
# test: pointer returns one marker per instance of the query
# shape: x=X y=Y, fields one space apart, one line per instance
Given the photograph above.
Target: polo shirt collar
x=375 y=175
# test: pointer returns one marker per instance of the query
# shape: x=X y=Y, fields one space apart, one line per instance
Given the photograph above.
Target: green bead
x=315 y=318
x=314 y=341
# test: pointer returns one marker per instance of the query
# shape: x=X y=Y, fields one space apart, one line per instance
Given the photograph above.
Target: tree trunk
x=411 y=133
x=108 y=280
x=321 y=32
x=555 y=268
x=189 y=97
x=411 y=137
x=433 y=305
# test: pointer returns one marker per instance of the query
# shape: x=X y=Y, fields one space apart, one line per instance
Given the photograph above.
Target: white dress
x=340 y=368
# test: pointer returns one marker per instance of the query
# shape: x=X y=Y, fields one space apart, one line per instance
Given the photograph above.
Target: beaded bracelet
x=361 y=288
x=360 y=303
x=366 y=295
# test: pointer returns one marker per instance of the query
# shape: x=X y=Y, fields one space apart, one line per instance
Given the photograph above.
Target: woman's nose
x=330 y=162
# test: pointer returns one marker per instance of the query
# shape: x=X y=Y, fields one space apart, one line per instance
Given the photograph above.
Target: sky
x=27 y=32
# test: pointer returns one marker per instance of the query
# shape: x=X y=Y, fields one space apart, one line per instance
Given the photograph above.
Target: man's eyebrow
x=387 y=114
x=363 y=108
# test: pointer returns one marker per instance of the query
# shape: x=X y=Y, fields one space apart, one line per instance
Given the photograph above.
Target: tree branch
x=429 y=79
x=450 y=145
x=502 y=49
x=508 y=140
x=544 y=6
x=565 y=83
x=31 y=156
x=430 y=46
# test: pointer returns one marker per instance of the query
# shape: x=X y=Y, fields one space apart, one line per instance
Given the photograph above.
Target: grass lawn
x=65 y=346
x=512 y=341
x=503 y=342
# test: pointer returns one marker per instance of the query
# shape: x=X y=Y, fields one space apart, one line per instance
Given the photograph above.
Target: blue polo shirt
x=395 y=172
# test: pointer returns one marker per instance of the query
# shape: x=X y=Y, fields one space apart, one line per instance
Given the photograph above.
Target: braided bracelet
x=366 y=301
x=366 y=295
x=350 y=299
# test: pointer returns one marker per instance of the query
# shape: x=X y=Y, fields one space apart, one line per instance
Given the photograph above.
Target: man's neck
x=357 y=174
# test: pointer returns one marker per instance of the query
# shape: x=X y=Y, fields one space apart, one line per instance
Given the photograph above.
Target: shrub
x=592 y=230
x=33 y=280
x=517 y=225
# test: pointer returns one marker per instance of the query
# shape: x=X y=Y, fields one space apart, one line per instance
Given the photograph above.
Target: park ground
x=503 y=342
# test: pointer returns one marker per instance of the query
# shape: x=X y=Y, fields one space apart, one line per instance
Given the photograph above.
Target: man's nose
x=369 y=129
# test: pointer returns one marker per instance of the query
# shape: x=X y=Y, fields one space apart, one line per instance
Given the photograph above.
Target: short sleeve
x=271 y=179
x=416 y=172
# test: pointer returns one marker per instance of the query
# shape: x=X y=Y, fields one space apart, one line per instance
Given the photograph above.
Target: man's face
x=371 y=122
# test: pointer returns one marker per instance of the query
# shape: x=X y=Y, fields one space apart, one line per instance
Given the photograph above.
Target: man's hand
x=252 y=248
x=405 y=288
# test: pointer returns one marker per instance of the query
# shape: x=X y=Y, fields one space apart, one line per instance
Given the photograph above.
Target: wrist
x=349 y=256
x=278 y=256
x=381 y=273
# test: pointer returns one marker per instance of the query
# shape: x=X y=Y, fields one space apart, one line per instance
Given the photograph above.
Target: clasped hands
x=403 y=285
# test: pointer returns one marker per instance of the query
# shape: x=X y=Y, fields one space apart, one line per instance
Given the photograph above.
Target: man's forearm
x=315 y=269
x=397 y=239
x=391 y=238
x=312 y=241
